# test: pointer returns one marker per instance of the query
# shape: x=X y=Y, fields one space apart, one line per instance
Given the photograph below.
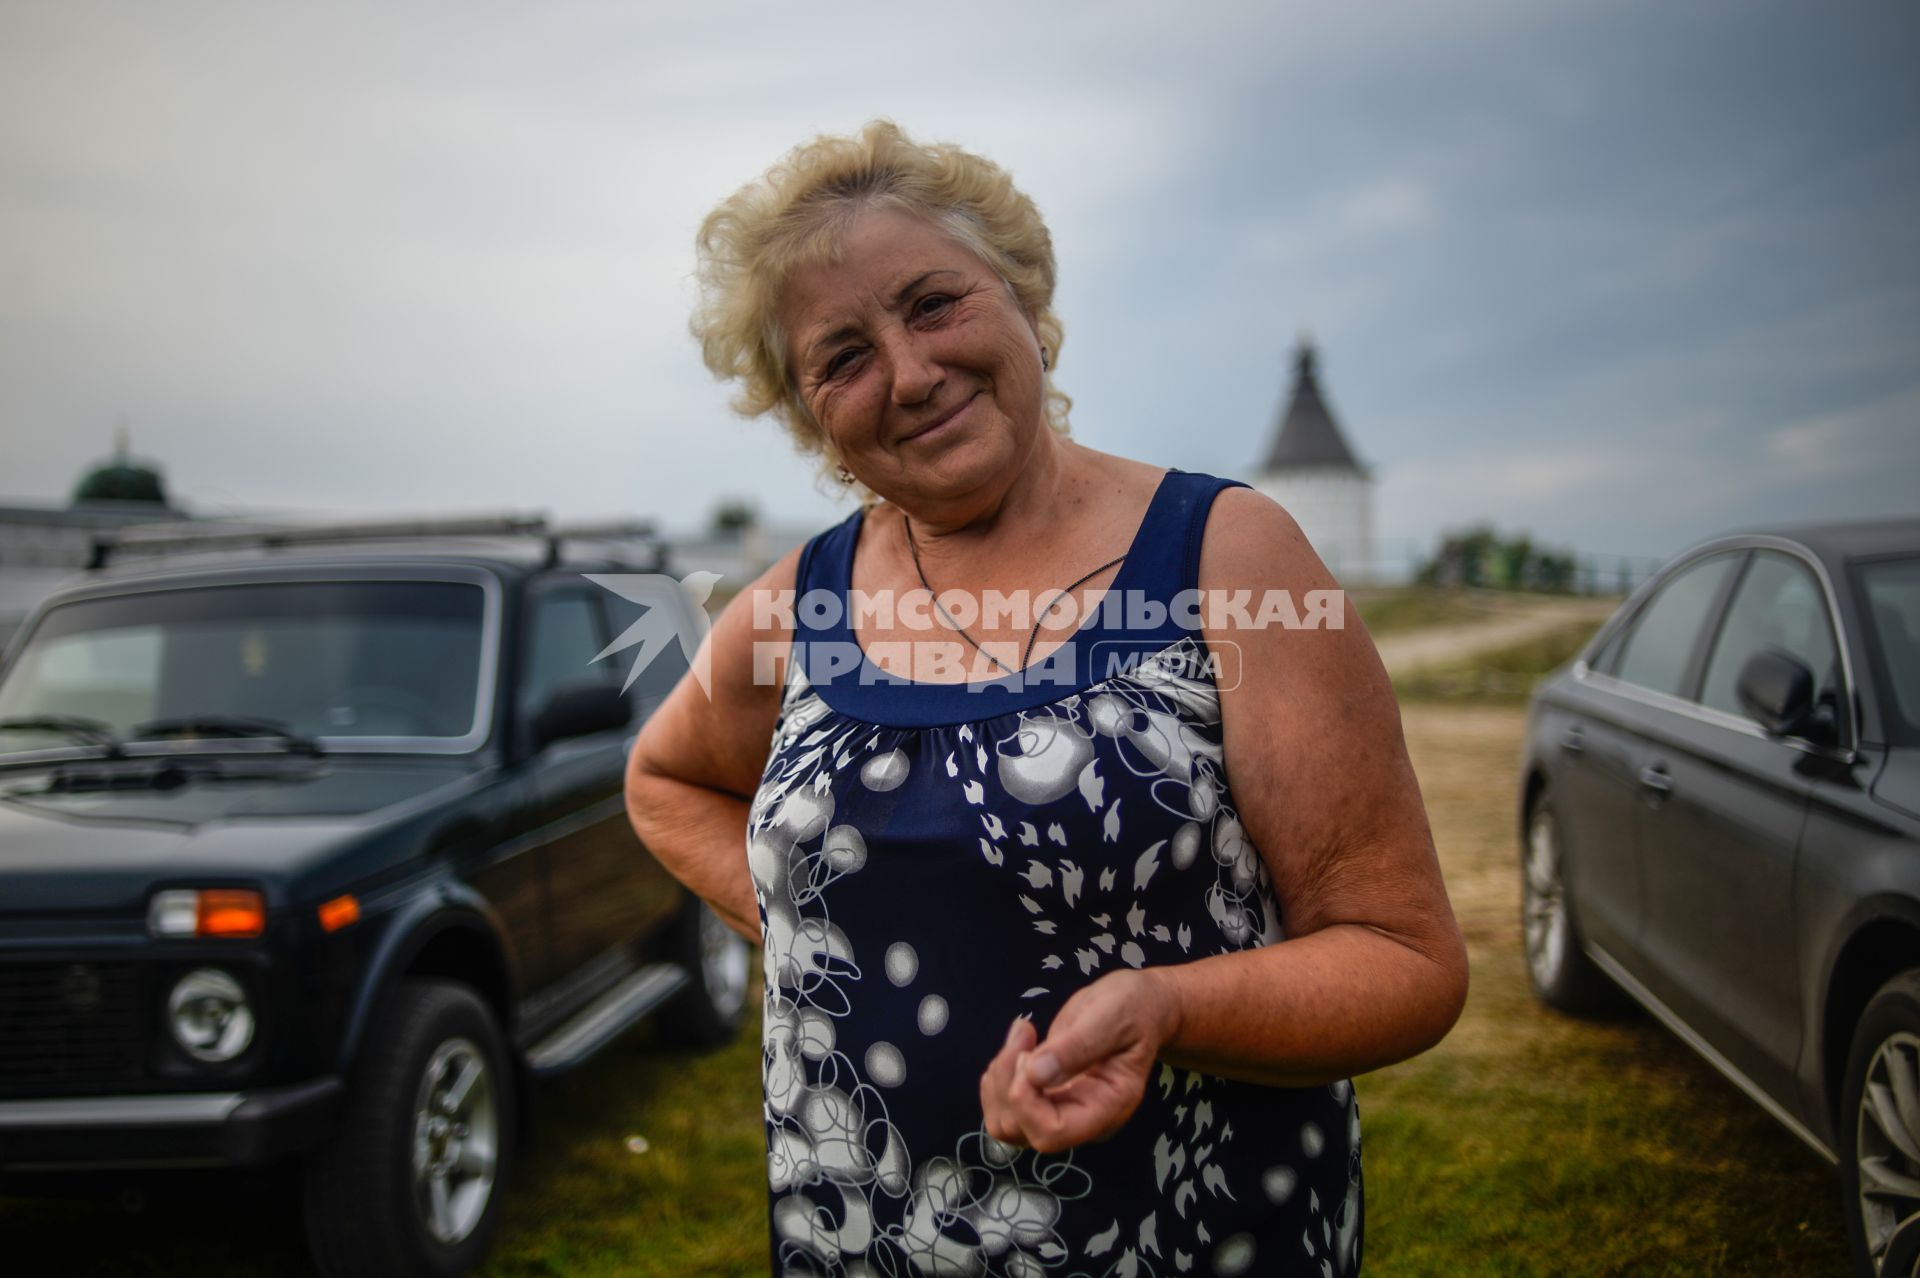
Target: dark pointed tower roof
x=1308 y=435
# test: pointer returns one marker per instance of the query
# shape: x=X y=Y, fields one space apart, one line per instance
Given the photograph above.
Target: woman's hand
x=1084 y=1082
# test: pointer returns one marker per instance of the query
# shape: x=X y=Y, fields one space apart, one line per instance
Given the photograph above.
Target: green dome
x=121 y=478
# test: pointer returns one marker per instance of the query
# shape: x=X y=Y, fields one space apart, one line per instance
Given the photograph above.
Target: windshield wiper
x=93 y=732
x=232 y=726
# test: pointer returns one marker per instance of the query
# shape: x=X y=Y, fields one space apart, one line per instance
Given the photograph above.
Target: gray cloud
x=1599 y=270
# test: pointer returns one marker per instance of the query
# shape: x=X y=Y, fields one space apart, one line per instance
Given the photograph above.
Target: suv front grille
x=68 y=1024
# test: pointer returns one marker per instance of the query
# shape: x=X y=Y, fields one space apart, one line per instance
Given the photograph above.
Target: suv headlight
x=231 y=912
x=209 y=1015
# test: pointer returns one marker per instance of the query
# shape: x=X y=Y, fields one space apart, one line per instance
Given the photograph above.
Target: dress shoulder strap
x=1167 y=550
x=826 y=564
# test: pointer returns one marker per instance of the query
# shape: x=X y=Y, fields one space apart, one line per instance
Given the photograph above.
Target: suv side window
x=660 y=649
x=1658 y=650
x=563 y=636
x=1779 y=604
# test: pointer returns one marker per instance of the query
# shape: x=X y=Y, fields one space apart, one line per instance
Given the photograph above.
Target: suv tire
x=1563 y=977
x=1874 y=1127
x=708 y=1012
x=414 y=1181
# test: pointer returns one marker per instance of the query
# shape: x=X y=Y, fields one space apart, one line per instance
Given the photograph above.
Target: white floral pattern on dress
x=1157 y=869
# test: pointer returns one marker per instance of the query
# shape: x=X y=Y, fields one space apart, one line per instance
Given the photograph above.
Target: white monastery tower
x=1311 y=471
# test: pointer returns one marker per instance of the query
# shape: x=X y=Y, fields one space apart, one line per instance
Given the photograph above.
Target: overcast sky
x=1618 y=274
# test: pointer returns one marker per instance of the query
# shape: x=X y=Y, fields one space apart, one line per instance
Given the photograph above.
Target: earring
x=842 y=474
x=1046 y=361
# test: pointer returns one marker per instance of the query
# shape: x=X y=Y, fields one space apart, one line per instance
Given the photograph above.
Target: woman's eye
x=932 y=304
x=840 y=362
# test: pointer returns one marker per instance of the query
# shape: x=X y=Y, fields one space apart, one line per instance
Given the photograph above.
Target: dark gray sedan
x=1720 y=816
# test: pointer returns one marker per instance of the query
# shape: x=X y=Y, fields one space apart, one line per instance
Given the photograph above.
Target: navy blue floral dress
x=933 y=860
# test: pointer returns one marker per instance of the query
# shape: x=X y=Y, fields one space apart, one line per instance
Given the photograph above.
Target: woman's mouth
x=943 y=421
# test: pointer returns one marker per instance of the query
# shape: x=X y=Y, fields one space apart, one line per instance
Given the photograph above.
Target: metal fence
x=1397 y=562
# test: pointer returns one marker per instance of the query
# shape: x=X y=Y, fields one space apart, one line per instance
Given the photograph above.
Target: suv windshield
x=379 y=660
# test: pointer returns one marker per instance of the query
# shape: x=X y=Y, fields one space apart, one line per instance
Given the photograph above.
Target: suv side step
x=606 y=1018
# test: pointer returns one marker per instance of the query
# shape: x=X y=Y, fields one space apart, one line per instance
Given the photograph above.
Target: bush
x=1479 y=556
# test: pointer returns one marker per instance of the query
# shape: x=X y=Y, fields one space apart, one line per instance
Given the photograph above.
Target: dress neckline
x=850 y=682
x=843 y=585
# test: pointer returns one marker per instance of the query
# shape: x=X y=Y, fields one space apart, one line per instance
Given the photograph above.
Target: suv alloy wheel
x=413 y=1182
x=707 y=1013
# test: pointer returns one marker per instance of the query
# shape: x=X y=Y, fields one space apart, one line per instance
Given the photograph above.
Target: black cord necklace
x=957 y=628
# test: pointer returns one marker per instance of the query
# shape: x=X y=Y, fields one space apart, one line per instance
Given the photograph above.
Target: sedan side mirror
x=578 y=708
x=1777 y=690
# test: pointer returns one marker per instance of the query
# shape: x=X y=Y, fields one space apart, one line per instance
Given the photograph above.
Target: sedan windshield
x=382 y=661
x=1891 y=589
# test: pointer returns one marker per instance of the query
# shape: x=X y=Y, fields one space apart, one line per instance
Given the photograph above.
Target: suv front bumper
x=200 y=1129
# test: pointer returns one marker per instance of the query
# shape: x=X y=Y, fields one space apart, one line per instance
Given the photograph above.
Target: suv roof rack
x=162 y=538
x=612 y=532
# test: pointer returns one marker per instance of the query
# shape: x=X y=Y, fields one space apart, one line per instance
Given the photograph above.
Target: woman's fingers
x=1124 y=1012
x=1079 y=1039
x=1087 y=1077
x=1001 y=1121
x=1085 y=1108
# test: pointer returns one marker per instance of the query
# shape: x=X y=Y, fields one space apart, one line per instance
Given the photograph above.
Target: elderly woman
x=1082 y=894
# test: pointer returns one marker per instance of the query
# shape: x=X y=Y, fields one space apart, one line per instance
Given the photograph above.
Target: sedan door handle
x=1655 y=778
x=1573 y=740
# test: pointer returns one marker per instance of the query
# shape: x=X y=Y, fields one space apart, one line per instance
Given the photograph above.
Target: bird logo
x=661 y=624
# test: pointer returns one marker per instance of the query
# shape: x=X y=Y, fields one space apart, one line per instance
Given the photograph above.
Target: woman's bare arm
x=698 y=760
x=1374 y=969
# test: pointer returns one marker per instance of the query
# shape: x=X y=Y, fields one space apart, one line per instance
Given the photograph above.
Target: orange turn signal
x=339 y=912
x=231 y=912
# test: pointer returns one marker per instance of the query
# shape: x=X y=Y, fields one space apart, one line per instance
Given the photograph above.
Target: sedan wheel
x=1545 y=902
x=1563 y=976
x=1883 y=1170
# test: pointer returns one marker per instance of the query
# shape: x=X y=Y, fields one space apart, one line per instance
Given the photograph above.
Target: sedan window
x=1779 y=605
x=1892 y=590
x=1659 y=647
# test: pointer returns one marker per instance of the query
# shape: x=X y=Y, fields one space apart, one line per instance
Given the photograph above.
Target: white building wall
x=1335 y=510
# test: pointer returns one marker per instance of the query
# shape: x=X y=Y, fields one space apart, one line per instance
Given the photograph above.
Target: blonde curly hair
x=795 y=215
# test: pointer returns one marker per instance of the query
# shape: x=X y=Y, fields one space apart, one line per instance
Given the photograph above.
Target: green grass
x=1535 y=1144
x=694 y=1203
x=1500 y=675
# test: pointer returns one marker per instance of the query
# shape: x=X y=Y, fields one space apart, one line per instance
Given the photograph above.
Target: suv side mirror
x=578 y=708
x=1777 y=690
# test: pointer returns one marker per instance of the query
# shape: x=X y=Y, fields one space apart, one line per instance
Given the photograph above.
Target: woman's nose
x=916 y=374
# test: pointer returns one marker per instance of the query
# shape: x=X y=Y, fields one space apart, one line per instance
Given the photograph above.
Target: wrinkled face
x=915 y=360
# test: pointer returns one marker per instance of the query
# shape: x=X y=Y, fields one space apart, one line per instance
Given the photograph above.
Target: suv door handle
x=1655 y=778
x=1573 y=740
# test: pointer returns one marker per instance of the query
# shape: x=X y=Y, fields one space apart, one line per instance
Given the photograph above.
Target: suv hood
x=92 y=849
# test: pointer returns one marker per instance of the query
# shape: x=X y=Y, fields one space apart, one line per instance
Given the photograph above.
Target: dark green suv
x=313 y=846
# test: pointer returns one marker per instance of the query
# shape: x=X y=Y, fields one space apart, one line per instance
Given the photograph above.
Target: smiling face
x=915 y=360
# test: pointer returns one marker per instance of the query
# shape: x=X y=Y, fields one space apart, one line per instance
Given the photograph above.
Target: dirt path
x=1509 y=621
